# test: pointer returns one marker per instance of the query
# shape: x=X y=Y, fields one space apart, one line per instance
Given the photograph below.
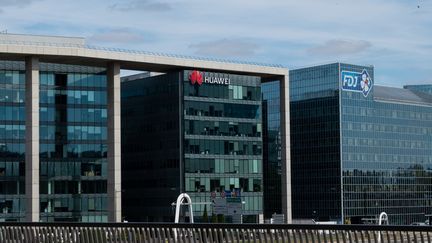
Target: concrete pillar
x=32 y=139
x=286 y=148
x=114 y=136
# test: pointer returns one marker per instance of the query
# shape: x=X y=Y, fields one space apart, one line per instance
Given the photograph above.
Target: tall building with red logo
x=80 y=143
x=203 y=135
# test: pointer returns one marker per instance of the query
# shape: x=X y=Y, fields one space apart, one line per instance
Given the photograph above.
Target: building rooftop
x=317 y=65
x=42 y=39
x=427 y=88
x=399 y=95
x=79 y=42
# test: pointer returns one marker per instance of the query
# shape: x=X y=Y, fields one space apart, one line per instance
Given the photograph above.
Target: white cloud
x=340 y=47
x=140 y=5
x=120 y=36
x=4 y=3
x=225 y=48
x=15 y=3
x=396 y=33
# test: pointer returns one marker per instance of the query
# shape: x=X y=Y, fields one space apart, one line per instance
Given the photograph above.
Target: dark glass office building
x=272 y=149
x=190 y=131
x=359 y=149
x=72 y=143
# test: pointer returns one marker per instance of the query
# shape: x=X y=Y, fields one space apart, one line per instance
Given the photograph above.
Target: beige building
x=46 y=64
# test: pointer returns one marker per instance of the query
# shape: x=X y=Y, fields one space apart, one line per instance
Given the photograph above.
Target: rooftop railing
x=149 y=53
x=162 y=232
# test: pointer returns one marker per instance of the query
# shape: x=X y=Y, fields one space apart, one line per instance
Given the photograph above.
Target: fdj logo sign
x=357 y=82
x=197 y=77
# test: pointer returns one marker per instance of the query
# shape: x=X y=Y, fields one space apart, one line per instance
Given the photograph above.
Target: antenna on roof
x=3 y=31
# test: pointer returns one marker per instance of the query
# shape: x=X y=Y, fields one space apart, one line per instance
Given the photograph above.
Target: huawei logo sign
x=196 y=77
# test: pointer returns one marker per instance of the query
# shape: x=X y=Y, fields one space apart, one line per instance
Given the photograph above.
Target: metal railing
x=149 y=53
x=160 y=232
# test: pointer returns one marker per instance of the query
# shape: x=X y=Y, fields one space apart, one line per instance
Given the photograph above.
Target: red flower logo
x=196 y=77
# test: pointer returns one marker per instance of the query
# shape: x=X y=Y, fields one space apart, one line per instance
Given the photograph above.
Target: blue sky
x=394 y=36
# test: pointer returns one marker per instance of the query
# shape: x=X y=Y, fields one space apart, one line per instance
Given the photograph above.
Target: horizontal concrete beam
x=136 y=61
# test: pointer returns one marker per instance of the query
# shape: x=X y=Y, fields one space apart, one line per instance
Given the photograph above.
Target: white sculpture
x=181 y=201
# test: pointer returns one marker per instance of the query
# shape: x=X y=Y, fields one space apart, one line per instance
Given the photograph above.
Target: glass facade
x=223 y=141
x=204 y=139
x=12 y=141
x=73 y=144
x=150 y=148
x=384 y=154
x=272 y=161
x=315 y=145
x=387 y=155
x=426 y=88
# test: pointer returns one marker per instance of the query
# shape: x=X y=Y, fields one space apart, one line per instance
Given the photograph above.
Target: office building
x=72 y=142
x=73 y=136
x=272 y=149
x=205 y=136
x=60 y=128
x=359 y=149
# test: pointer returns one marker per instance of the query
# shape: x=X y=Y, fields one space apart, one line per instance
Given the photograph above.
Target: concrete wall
x=32 y=139
x=286 y=148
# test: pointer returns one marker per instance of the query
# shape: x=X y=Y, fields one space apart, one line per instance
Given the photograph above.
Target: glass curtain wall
x=386 y=154
x=150 y=148
x=73 y=143
x=12 y=141
x=223 y=142
x=315 y=143
x=272 y=148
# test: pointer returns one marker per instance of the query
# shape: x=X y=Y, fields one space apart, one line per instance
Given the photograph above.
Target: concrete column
x=114 y=136
x=286 y=148
x=32 y=139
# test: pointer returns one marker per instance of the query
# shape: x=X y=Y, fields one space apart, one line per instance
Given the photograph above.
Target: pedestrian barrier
x=11 y=232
